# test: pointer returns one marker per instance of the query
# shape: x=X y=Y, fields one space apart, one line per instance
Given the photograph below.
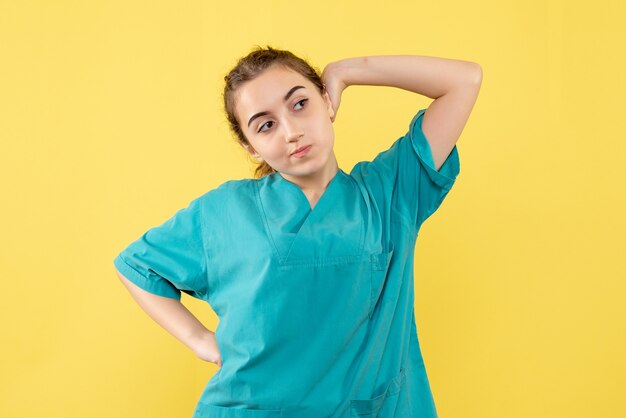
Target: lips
x=300 y=149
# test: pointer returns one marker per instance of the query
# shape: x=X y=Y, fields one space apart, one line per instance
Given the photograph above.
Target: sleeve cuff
x=450 y=169
x=160 y=287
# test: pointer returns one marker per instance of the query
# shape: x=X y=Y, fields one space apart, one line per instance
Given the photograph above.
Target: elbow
x=477 y=74
x=471 y=77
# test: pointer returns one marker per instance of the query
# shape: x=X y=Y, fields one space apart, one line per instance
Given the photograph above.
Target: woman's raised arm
x=454 y=84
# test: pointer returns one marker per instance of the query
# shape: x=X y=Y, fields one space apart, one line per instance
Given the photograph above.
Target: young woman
x=309 y=268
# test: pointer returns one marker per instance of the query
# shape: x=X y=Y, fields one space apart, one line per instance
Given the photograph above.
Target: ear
x=329 y=104
x=250 y=150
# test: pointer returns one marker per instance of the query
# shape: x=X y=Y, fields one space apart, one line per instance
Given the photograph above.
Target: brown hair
x=250 y=67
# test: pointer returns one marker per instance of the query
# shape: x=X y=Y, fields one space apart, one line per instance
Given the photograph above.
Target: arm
x=454 y=85
x=172 y=315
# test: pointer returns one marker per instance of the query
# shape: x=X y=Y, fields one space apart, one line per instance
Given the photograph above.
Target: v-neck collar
x=300 y=233
x=298 y=190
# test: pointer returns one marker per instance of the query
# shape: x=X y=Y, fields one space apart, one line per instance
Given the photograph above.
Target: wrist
x=341 y=70
x=347 y=70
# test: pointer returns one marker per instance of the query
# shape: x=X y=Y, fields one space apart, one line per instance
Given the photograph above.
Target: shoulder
x=229 y=192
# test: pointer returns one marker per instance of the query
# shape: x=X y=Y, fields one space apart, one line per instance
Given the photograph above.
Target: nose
x=292 y=131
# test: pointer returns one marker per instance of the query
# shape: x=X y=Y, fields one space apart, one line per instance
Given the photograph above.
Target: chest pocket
x=342 y=288
x=356 y=283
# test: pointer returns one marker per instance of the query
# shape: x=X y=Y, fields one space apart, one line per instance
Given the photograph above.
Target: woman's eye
x=270 y=123
x=261 y=128
x=302 y=101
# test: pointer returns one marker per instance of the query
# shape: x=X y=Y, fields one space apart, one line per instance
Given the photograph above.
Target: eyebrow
x=287 y=96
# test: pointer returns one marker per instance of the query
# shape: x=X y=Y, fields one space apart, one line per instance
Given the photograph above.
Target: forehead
x=268 y=90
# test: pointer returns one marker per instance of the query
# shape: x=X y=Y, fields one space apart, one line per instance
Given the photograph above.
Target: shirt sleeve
x=169 y=258
x=405 y=175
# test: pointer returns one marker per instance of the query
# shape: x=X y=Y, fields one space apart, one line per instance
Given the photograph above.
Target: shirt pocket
x=339 y=288
x=382 y=400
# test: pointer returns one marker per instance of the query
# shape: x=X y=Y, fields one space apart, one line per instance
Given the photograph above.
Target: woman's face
x=281 y=111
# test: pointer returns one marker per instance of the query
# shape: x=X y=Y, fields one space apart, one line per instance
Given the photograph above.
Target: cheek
x=274 y=151
x=328 y=132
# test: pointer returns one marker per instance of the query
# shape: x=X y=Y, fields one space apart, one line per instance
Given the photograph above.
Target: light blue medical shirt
x=315 y=306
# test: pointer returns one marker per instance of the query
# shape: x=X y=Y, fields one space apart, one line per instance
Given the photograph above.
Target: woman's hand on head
x=334 y=86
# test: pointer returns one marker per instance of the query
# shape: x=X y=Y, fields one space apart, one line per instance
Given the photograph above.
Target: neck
x=315 y=184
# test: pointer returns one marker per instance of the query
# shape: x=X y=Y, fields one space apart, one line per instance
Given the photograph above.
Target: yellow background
x=111 y=119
